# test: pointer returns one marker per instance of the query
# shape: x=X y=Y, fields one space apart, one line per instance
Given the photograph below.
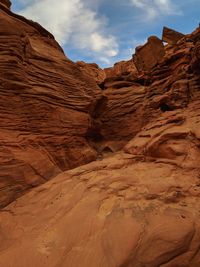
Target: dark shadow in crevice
x=94 y=135
x=107 y=150
x=165 y=107
x=100 y=107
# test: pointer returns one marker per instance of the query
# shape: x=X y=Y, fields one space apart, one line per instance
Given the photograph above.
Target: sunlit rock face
x=45 y=106
x=120 y=148
x=121 y=68
x=138 y=207
x=92 y=70
x=150 y=54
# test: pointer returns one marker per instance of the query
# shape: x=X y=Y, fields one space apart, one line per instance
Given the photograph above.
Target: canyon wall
x=120 y=148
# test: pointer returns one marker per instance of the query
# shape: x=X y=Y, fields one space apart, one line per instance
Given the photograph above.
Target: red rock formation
x=121 y=68
x=195 y=64
x=171 y=36
x=45 y=106
x=150 y=54
x=92 y=70
x=136 y=207
x=129 y=102
x=5 y=3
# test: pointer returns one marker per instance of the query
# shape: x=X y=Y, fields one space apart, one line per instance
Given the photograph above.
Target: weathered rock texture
x=129 y=102
x=121 y=68
x=5 y=3
x=150 y=54
x=92 y=70
x=136 y=208
x=138 y=205
x=171 y=36
x=45 y=106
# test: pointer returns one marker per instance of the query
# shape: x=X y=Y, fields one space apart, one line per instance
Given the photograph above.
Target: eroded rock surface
x=122 y=68
x=140 y=207
x=92 y=70
x=171 y=36
x=5 y=3
x=138 y=204
x=129 y=102
x=45 y=106
x=150 y=54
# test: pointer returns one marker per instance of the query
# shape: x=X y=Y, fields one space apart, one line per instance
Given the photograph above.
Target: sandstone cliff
x=45 y=106
x=138 y=203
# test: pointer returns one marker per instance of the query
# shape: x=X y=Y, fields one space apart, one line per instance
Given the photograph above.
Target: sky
x=107 y=31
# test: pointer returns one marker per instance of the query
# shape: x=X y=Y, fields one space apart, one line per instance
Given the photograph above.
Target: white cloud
x=155 y=8
x=74 y=23
x=108 y=44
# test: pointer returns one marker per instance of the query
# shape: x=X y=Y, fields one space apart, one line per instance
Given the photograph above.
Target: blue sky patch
x=104 y=31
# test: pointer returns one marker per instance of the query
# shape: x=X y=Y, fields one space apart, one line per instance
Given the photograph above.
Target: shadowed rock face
x=5 y=3
x=195 y=65
x=171 y=36
x=138 y=204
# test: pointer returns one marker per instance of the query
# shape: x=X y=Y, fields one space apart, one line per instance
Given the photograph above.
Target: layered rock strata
x=138 y=204
x=139 y=207
x=45 y=106
x=171 y=36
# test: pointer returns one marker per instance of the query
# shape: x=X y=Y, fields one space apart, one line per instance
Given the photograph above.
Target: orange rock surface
x=121 y=68
x=149 y=55
x=92 y=70
x=45 y=106
x=138 y=203
x=139 y=207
